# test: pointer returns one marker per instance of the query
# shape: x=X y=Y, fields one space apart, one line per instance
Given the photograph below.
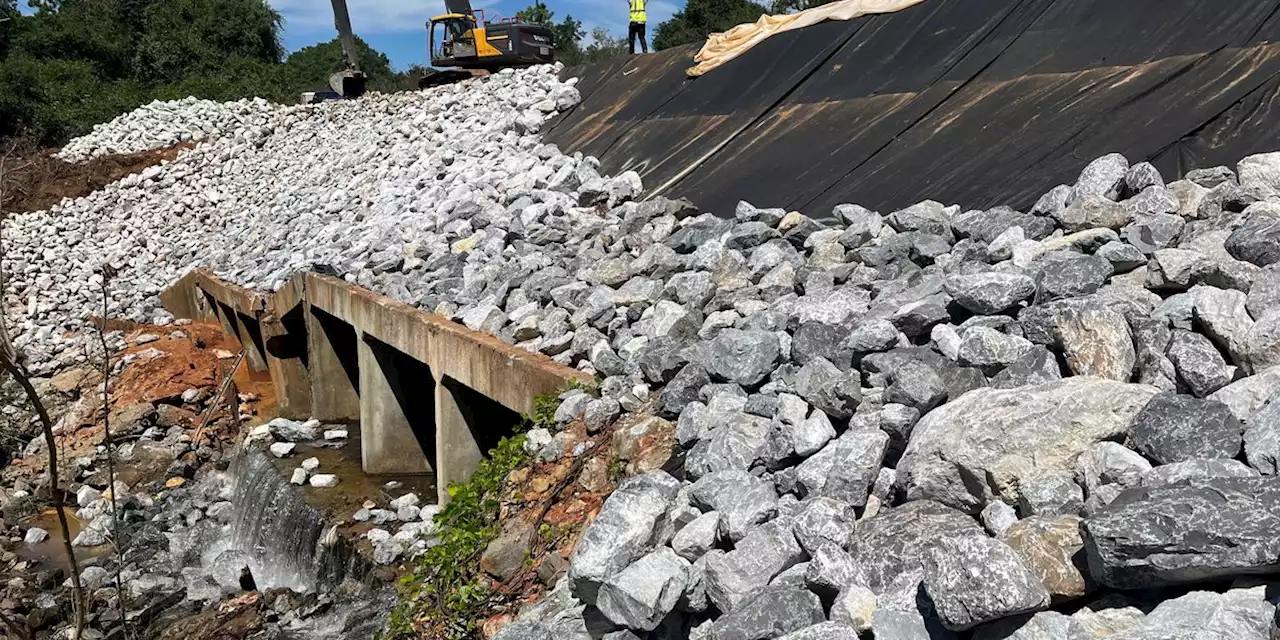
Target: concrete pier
x=432 y=396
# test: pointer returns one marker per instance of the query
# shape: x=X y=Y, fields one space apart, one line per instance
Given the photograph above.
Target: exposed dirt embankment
x=36 y=180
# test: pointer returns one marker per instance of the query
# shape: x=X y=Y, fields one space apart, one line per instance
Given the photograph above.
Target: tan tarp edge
x=723 y=47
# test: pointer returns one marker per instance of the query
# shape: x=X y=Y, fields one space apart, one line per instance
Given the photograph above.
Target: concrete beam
x=284 y=334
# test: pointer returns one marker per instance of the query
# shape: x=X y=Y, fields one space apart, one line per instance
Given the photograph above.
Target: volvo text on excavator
x=463 y=44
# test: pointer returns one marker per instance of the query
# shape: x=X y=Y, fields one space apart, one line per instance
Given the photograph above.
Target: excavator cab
x=463 y=44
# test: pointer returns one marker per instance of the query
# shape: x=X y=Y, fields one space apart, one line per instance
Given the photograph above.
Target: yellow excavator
x=463 y=44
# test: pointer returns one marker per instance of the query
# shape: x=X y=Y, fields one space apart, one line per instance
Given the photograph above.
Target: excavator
x=463 y=44
x=469 y=46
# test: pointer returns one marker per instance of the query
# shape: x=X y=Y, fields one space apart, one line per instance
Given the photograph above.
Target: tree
x=567 y=34
x=309 y=68
x=701 y=18
x=604 y=46
x=8 y=19
x=788 y=6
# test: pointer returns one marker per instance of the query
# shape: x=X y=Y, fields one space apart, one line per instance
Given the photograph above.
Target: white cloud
x=367 y=16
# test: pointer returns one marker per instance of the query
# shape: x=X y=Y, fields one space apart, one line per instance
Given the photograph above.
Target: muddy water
x=354 y=485
x=52 y=553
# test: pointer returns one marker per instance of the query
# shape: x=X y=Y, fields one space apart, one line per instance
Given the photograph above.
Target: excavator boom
x=350 y=82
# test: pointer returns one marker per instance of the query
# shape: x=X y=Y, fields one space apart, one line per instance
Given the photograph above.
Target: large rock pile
x=919 y=424
x=164 y=123
x=939 y=423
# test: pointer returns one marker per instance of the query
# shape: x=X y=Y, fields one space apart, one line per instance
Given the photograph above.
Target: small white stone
x=282 y=449
x=311 y=464
x=335 y=434
x=299 y=476
x=324 y=480
x=35 y=535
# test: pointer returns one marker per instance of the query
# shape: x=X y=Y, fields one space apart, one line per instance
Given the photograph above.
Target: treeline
x=75 y=63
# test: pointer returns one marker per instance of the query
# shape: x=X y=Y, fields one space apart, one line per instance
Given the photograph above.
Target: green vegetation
x=75 y=63
x=445 y=595
x=700 y=18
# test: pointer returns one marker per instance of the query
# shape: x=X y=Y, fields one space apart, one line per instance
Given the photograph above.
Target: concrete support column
x=458 y=455
x=330 y=362
x=387 y=442
x=288 y=375
x=249 y=332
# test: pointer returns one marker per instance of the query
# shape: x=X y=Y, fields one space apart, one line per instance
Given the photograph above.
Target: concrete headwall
x=430 y=394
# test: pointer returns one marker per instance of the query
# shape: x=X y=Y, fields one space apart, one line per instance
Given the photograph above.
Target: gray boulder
x=1103 y=177
x=1037 y=366
x=743 y=357
x=1096 y=342
x=823 y=631
x=823 y=521
x=1221 y=313
x=1176 y=269
x=973 y=580
x=989 y=292
x=1175 y=428
x=980 y=445
x=524 y=630
x=893 y=542
x=621 y=532
x=1257 y=240
x=825 y=386
x=641 y=595
x=1262 y=439
x=1070 y=275
x=1200 y=368
x=1045 y=625
x=742 y=500
x=1204 y=529
x=1050 y=494
x=767 y=551
x=991 y=350
x=1106 y=463
x=1246 y=396
x=698 y=537
x=1204 y=615
x=846 y=468
x=770 y=613
x=1167 y=474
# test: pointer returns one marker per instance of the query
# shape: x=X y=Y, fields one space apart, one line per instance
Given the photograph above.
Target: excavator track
x=441 y=77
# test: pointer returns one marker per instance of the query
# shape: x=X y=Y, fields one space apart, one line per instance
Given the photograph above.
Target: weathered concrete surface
x=324 y=342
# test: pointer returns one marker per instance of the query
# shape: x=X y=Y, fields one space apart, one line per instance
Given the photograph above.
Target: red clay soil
x=37 y=180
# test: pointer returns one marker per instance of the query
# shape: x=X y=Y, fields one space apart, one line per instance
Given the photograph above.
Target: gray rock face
x=973 y=580
x=991 y=292
x=524 y=630
x=1201 y=369
x=1096 y=342
x=698 y=537
x=1205 y=615
x=1176 y=428
x=1073 y=275
x=1262 y=439
x=846 y=468
x=742 y=500
x=991 y=350
x=767 y=551
x=1244 y=397
x=1106 y=463
x=742 y=357
x=1203 y=529
x=1045 y=625
x=1101 y=177
x=1176 y=472
x=893 y=542
x=1050 y=494
x=621 y=532
x=773 y=612
x=823 y=631
x=641 y=595
x=1001 y=436
x=1257 y=240
x=823 y=521
x=1222 y=315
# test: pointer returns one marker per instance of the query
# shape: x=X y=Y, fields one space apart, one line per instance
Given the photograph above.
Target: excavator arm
x=350 y=82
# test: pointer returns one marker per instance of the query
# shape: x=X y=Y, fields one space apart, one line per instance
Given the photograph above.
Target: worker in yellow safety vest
x=636 y=29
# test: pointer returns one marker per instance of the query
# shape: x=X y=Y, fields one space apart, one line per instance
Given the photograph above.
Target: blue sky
x=397 y=27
